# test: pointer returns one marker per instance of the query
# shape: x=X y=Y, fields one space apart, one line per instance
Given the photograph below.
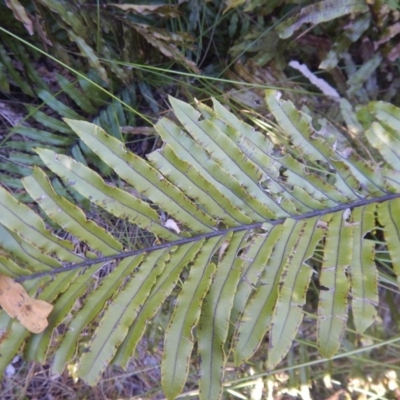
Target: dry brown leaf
x=20 y=14
x=160 y=9
x=18 y=304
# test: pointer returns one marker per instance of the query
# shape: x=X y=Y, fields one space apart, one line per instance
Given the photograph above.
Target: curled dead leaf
x=16 y=302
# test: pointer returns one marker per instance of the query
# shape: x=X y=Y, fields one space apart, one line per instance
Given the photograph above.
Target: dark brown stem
x=72 y=266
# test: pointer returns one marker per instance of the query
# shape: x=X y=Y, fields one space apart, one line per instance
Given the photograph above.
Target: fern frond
x=238 y=225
